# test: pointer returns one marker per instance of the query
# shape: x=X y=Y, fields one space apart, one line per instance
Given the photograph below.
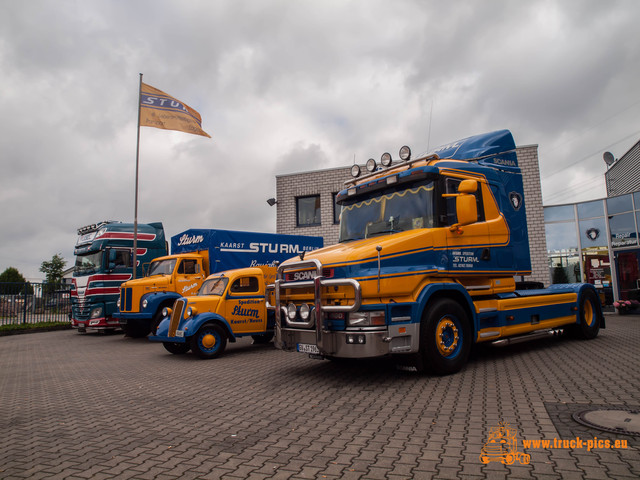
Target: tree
x=53 y=270
x=12 y=282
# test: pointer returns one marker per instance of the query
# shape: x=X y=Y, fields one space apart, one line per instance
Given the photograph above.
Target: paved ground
x=93 y=406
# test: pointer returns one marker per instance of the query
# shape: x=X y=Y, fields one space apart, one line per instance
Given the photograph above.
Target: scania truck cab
x=104 y=255
x=426 y=264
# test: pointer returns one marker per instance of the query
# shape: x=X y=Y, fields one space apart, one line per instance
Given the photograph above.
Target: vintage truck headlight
x=145 y=302
x=167 y=311
x=96 y=312
x=192 y=312
x=118 y=303
x=366 y=319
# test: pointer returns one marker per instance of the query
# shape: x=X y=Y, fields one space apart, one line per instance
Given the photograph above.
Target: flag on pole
x=159 y=110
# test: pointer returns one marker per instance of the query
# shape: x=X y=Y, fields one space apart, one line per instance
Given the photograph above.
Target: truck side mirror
x=468 y=186
x=466 y=209
x=111 y=255
x=466 y=206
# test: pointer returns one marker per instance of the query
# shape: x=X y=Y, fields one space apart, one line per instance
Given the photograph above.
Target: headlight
x=291 y=311
x=305 y=310
x=371 y=165
x=96 y=312
x=386 y=159
x=366 y=319
x=145 y=302
x=118 y=303
x=166 y=311
x=192 y=312
x=405 y=153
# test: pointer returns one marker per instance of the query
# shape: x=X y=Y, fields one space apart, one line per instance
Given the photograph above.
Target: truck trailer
x=426 y=265
x=196 y=254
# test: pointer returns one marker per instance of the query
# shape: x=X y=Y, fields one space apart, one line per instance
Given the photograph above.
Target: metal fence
x=34 y=303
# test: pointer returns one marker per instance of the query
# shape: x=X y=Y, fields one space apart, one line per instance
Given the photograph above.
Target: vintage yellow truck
x=229 y=305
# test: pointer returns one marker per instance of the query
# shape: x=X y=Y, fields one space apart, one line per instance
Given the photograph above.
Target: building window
x=308 y=211
x=336 y=209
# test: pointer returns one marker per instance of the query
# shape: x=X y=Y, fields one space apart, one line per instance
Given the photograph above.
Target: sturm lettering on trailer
x=259 y=247
x=190 y=239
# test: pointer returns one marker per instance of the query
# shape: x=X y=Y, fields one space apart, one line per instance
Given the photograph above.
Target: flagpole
x=135 y=216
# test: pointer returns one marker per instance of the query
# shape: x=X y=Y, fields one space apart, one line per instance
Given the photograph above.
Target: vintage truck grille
x=125 y=299
x=176 y=315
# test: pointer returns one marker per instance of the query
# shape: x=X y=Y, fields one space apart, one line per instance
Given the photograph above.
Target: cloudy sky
x=286 y=86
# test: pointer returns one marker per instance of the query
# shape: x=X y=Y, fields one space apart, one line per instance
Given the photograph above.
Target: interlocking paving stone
x=105 y=406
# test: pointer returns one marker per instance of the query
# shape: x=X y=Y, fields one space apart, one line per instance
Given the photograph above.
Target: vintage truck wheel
x=209 y=341
x=176 y=348
x=590 y=316
x=155 y=321
x=445 y=337
x=136 y=331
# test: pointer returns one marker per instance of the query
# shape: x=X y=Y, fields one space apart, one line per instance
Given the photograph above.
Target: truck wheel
x=136 y=331
x=445 y=337
x=590 y=316
x=209 y=342
x=155 y=321
x=262 y=339
x=176 y=348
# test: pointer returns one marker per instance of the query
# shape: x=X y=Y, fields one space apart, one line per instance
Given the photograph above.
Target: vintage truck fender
x=193 y=325
x=190 y=327
x=155 y=300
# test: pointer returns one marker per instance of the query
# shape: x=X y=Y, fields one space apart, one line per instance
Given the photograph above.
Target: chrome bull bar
x=317 y=283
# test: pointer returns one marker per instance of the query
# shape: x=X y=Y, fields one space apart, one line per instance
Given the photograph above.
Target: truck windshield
x=162 y=267
x=86 y=264
x=388 y=211
x=214 y=286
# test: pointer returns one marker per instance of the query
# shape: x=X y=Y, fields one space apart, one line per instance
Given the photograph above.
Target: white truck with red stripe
x=104 y=256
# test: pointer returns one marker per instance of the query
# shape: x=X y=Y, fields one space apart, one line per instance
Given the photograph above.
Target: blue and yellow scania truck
x=426 y=264
x=103 y=261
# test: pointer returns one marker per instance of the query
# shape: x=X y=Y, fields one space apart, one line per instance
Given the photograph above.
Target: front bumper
x=100 y=323
x=396 y=339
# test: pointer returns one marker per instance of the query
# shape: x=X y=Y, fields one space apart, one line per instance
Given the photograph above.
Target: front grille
x=125 y=299
x=176 y=315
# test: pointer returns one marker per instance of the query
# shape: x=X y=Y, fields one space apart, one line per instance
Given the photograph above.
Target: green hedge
x=14 y=329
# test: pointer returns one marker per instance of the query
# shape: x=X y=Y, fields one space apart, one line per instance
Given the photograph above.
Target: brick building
x=306 y=206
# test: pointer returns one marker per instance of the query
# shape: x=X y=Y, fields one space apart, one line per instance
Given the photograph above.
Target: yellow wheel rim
x=208 y=341
x=447 y=337
x=589 y=316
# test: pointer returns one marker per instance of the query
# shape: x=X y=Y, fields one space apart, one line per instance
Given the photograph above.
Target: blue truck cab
x=103 y=260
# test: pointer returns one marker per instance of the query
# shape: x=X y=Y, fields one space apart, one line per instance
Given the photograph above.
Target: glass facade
x=596 y=242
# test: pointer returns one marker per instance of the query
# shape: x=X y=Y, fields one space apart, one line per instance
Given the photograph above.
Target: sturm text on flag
x=159 y=110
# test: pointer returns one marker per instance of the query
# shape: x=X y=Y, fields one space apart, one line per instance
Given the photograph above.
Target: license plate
x=180 y=333
x=308 y=348
x=81 y=325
